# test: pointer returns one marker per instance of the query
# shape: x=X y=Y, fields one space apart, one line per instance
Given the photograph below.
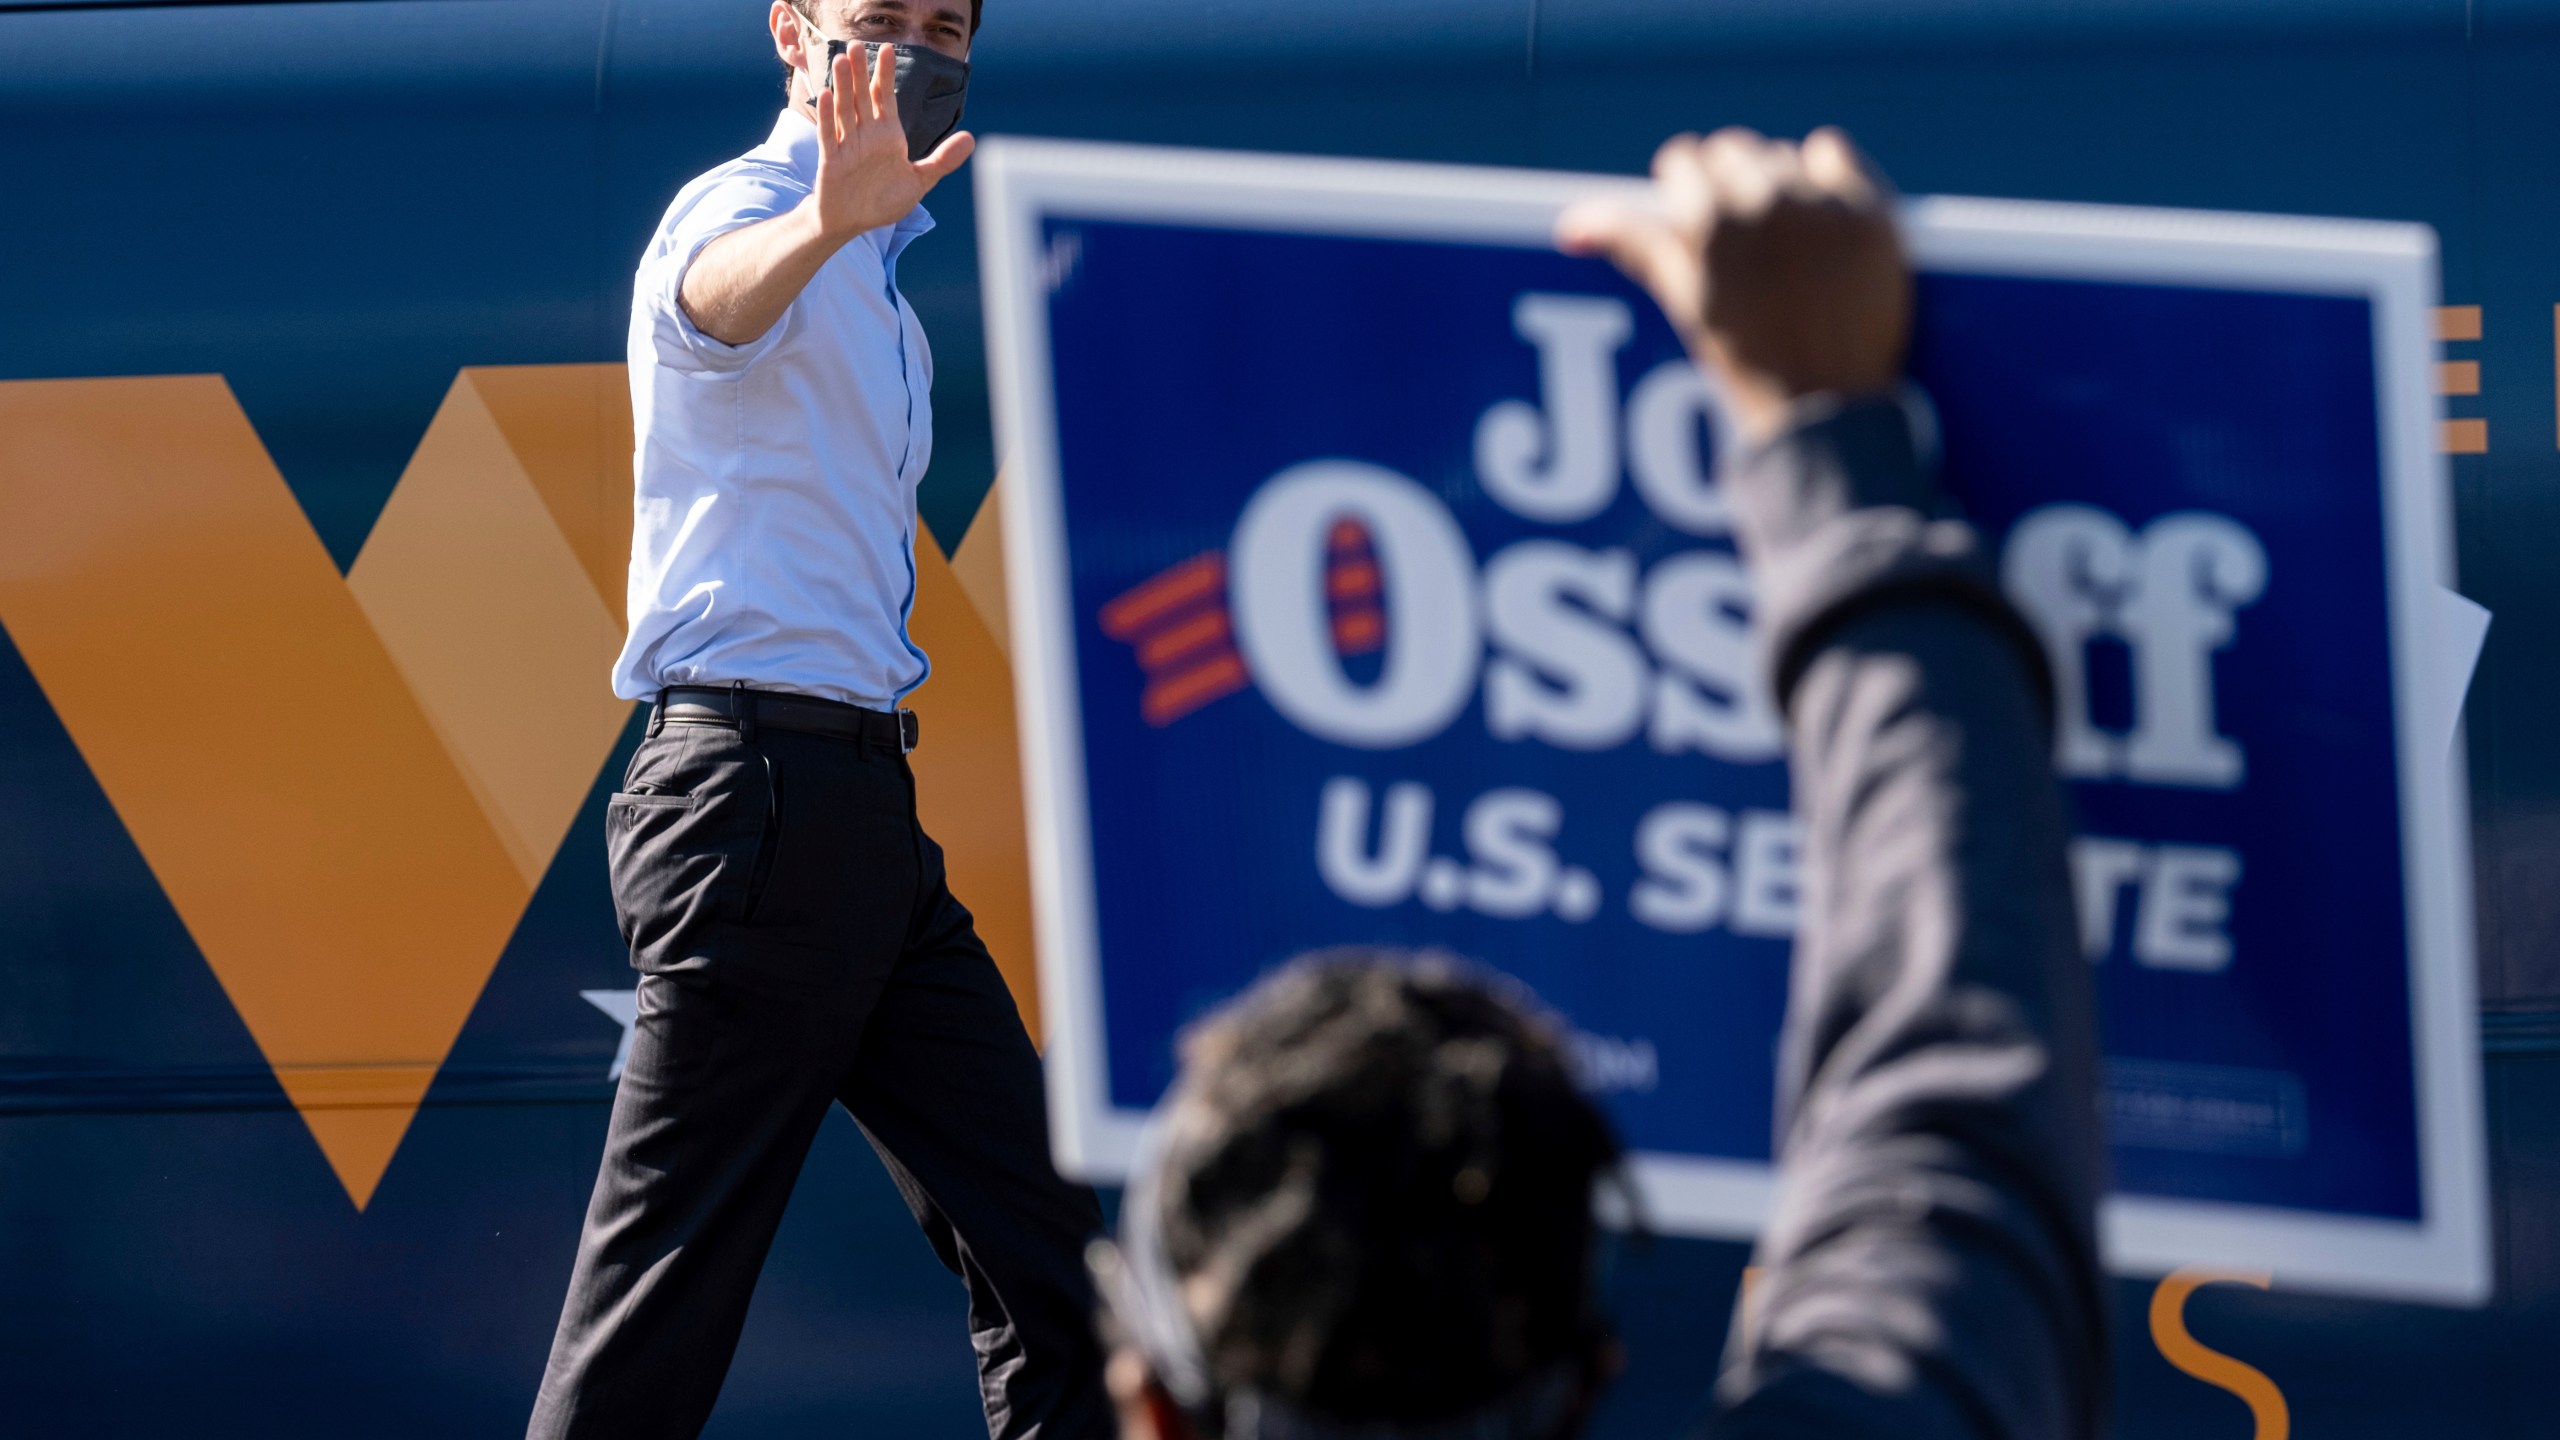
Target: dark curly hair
x=1376 y=1189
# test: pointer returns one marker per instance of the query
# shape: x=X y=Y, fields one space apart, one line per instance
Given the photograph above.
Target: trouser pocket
x=689 y=846
x=768 y=841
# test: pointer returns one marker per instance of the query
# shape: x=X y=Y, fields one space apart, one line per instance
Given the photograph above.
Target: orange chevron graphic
x=1176 y=620
x=350 y=788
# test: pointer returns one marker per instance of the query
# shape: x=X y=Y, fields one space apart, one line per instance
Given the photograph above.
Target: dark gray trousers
x=799 y=947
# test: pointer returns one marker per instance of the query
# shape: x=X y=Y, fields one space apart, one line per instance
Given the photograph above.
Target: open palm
x=865 y=179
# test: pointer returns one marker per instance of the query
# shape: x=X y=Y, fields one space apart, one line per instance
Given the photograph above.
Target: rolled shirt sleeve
x=732 y=202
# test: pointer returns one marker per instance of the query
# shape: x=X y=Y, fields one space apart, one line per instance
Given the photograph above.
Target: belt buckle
x=907 y=731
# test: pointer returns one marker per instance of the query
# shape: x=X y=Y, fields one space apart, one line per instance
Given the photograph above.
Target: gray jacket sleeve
x=1931 y=1265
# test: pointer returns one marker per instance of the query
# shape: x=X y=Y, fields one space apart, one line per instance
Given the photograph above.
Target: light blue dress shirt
x=773 y=538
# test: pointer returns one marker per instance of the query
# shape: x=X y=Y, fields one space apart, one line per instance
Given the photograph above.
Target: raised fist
x=1779 y=263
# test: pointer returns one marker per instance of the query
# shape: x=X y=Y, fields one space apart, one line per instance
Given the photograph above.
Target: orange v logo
x=348 y=788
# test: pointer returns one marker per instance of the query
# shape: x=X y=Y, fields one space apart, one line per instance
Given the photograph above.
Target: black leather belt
x=744 y=709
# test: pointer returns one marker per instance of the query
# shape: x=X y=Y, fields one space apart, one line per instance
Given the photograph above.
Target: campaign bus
x=321 y=306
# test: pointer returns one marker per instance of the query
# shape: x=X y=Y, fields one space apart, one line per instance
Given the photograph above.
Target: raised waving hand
x=741 y=283
x=865 y=179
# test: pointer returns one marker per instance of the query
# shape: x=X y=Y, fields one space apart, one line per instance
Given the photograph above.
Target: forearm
x=1930 y=1268
x=739 y=286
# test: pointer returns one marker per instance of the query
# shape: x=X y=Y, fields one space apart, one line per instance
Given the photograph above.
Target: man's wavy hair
x=1377 y=1183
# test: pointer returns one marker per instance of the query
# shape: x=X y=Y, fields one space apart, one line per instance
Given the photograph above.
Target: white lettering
x=1507 y=833
x=1681 y=845
x=1276 y=585
x=1354 y=872
x=1602 y=1063
x=1512 y=871
x=1547 y=608
x=1577 y=895
x=2197 y=571
x=1670 y=415
x=2066 y=567
x=1765 y=895
x=2170 y=593
x=1710 y=696
x=1563 y=466
x=2186 y=903
x=1444 y=884
x=2099 y=869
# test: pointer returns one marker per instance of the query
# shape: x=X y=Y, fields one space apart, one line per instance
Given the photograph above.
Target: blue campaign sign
x=1370 y=583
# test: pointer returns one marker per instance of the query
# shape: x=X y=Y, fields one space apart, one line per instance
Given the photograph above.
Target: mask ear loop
x=825 y=79
x=1137 y=1283
x=812 y=36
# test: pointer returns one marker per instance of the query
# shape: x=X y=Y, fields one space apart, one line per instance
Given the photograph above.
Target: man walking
x=797 y=942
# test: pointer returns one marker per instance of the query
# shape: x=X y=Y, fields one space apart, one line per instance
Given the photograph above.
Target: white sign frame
x=2445 y=1257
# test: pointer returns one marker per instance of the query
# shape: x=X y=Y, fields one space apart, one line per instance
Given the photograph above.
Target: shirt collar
x=795 y=139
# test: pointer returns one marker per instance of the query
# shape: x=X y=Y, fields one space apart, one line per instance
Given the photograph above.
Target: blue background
x=1191 y=365
x=2145 y=400
x=335 y=205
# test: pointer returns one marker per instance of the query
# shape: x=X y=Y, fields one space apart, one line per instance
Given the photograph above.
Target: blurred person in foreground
x=1355 y=1223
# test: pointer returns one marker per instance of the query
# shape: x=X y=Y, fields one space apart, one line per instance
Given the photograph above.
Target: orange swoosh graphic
x=348 y=788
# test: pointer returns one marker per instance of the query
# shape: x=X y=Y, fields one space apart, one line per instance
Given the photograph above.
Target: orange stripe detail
x=2466 y=437
x=1358 y=632
x=1170 y=645
x=2458 y=377
x=1178 y=695
x=1356 y=579
x=2457 y=322
x=1199 y=576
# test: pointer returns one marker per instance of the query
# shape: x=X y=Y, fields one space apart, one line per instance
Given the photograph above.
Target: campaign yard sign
x=1370 y=582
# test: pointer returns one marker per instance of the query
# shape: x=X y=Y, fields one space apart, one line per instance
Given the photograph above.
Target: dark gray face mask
x=931 y=86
